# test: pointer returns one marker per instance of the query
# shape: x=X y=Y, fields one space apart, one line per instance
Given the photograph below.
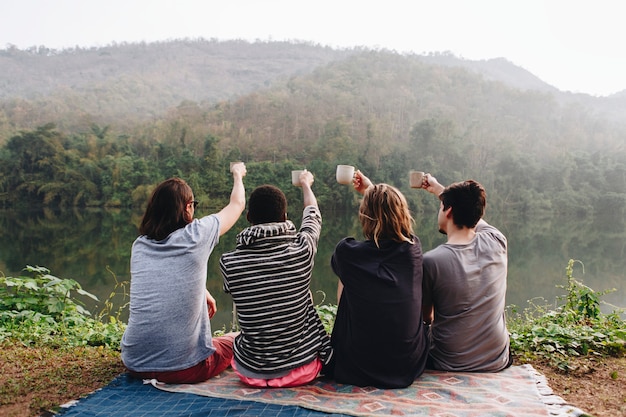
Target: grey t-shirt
x=169 y=328
x=466 y=284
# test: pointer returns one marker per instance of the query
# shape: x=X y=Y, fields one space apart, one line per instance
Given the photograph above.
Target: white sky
x=573 y=45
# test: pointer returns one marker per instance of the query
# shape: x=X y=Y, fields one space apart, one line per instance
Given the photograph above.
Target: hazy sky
x=573 y=45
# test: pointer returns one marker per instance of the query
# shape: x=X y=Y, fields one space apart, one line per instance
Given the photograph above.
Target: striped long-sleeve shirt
x=269 y=276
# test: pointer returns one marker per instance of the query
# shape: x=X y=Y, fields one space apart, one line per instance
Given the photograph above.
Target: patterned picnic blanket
x=517 y=391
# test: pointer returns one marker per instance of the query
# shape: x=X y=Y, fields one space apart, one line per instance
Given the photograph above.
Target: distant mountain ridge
x=112 y=120
x=198 y=70
x=127 y=82
x=497 y=69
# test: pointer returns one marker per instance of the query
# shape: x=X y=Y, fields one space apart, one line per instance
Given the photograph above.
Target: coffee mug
x=345 y=174
x=416 y=178
x=232 y=164
x=295 y=177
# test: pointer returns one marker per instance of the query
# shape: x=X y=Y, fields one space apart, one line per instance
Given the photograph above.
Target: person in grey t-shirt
x=464 y=284
x=168 y=336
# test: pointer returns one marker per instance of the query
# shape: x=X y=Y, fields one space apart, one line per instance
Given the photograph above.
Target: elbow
x=240 y=204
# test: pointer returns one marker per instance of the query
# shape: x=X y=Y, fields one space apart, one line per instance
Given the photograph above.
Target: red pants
x=206 y=369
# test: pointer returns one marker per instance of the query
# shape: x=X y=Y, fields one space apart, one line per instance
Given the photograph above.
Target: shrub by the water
x=43 y=310
x=576 y=327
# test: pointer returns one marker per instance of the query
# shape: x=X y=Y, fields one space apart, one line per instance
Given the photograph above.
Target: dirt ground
x=34 y=382
x=598 y=387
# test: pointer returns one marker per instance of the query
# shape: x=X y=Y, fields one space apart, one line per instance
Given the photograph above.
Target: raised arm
x=432 y=185
x=230 y=214
x=308 y=197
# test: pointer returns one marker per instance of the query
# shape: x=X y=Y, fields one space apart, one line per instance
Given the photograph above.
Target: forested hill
x=124 y=83
x=126 y=116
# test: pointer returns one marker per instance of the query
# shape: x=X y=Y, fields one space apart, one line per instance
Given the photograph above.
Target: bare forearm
x=238 y=194
x=228 y=215
x=308 y=196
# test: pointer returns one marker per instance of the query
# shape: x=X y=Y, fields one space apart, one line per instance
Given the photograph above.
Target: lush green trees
x=36 y=168
x=47 y=168
x=380 y=111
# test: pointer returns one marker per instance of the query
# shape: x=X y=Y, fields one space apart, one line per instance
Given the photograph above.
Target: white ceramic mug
x=232 y=164
x=416 y=178
x=345 y=174
x=295 y=177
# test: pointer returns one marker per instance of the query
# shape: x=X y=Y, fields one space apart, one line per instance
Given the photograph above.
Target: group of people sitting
x=400 y=311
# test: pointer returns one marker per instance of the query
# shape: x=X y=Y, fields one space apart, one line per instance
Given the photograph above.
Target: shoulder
x=485 y=229
x=435 y=254
x=348 y=243
x=206 y=223
x=203 y=229
x=417 y=244
x=212 y=220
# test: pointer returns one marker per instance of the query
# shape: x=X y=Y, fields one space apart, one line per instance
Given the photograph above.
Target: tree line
x=380 y=111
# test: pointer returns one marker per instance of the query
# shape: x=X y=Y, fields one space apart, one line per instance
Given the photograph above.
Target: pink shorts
x=298 y=376
x=206 y=369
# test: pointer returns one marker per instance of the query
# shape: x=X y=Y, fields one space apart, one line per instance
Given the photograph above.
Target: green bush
x=577 y=327
x=327 y=313
x=42 y=309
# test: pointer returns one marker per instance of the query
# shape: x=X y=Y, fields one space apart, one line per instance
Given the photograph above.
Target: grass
x=53 y=350
x=38 y=379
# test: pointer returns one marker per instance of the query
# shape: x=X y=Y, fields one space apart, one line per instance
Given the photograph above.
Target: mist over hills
x=123 y=84
x=131 y=82
x=98 y=126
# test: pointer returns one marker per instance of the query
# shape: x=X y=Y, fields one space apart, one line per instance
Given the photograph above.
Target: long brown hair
x=166 y=211
x=384 y=214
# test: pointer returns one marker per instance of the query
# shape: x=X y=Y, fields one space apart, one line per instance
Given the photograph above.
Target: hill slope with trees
x=105 y=139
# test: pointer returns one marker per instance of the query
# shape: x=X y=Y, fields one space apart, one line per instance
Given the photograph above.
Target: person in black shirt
x=379 y=338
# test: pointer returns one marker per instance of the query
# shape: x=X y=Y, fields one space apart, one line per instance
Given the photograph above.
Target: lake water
x=92 y=246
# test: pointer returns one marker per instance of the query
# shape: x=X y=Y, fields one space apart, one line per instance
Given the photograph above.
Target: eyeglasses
x=195 y=204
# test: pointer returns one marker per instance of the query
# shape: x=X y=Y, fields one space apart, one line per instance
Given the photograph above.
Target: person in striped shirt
x=282 y=340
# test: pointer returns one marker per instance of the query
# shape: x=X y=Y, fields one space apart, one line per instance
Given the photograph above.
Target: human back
x=378 y=336
x=168 y=336
x=465 y=284
x=154 y=341
x=268 y=275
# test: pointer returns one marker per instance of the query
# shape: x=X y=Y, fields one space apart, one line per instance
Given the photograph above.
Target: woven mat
x=129 y=397
x=517 y=391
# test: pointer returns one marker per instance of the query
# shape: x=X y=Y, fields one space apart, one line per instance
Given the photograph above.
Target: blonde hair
x=384 y=214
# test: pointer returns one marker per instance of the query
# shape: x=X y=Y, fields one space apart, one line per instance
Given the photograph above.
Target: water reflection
x=92 y=246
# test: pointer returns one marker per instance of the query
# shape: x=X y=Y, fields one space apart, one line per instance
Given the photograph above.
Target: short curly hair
x=267 y=204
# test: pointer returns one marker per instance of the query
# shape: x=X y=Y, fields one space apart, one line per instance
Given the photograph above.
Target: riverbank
x=36 y=381
x=53 y=352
